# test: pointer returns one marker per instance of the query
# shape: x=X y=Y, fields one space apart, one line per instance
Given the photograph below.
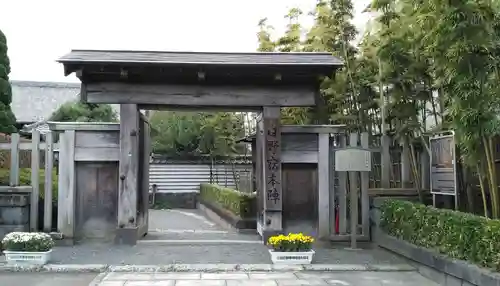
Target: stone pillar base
x=127 y=235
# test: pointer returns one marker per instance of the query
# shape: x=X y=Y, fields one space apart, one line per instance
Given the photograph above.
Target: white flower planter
x=27 y=258
x=291 y=257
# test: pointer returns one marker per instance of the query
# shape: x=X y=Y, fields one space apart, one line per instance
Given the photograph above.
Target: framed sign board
x=353 y=160
x=443 y=166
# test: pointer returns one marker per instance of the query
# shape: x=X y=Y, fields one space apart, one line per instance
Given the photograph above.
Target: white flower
x=27 y=240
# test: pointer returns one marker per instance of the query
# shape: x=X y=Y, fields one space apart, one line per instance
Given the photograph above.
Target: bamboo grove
x=421 y=66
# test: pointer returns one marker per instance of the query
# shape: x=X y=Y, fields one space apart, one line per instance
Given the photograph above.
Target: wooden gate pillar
x=269 y=145
x=127 y=232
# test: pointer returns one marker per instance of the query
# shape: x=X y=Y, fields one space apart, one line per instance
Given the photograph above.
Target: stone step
x=199 y=237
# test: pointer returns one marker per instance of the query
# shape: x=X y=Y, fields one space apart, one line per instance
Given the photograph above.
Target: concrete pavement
x=266 y=279
x=46 y=279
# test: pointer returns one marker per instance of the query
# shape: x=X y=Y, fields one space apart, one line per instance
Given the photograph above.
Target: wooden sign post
x=353 y=160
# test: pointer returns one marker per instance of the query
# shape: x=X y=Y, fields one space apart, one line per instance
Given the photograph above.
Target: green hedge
x=25 y=180
x=240 y=204
x=458 y=235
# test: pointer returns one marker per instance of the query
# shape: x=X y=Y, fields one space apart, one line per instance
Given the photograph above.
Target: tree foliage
x=422 y=66
x=7 y=117
x=190 y=134
x=76 y=111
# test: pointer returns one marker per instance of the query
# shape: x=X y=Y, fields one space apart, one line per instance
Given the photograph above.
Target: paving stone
x=112 y=283
x=316 y=275
x=272 y=276
x=176 y=276
x=251 y=283
x=432 y=274
x=224 y=276
x=283 y=278
x=128 y=276
x=151 y=283
x=300 y=282
x=200 y=283
x=453 y=281
x=345 y=283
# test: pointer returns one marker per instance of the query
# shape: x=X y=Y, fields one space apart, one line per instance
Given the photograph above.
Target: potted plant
x=27 y=248
x=294 y=248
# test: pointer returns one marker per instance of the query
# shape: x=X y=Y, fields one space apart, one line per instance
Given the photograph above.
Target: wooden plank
x=49 y=164
x=385 y=163
x=310 y=157
x=96 y=199
x=97 y=154
x=331 y=180
x=25 y=146
x=342 y=190
x=16 y=189
x=98 y=139
x=323 y=185
x=259 y=173
x=14 y=159
x=69 y=228
x=66 y=220
x=314 y=129
x=299 y=142
x=194 y=108
x=353 y=196
x=190 y=95
x=405 y=166
x=83 y=126
x=35 y=179
x=273 y=203
x=129 y=164
x=380 y=192
x=62 y=182
x=145 y=166
x=425 y=170
x=365 y=199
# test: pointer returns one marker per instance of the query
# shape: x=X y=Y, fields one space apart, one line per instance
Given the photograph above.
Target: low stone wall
x=227 y=218
x=14 y=213
x=439 y=268
x=188 y=200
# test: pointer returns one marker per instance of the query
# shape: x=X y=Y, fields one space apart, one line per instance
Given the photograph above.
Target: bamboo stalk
x=490 y=178
x=483 y=190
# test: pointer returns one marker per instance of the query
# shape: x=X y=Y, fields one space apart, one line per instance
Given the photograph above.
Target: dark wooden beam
x=199 y=108
x=126 y=232
x=196 y=95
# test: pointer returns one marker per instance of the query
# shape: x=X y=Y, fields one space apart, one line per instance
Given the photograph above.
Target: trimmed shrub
x=240 y=204
x=455 y=234
x=25 y=180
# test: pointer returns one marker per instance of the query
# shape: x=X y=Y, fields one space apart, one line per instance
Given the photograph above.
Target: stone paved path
x=352 y=278
x=188 y=237
x=180 y=219
x=46 y=279
x=161 y=254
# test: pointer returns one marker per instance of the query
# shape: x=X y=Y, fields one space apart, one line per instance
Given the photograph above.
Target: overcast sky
x=39 y=32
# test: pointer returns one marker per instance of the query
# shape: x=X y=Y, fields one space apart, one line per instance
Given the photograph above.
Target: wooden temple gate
x=261 y=82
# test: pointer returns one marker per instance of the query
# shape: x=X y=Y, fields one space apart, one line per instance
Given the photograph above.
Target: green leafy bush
x=240 y=204
x=25 y=180
x=455 y=234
